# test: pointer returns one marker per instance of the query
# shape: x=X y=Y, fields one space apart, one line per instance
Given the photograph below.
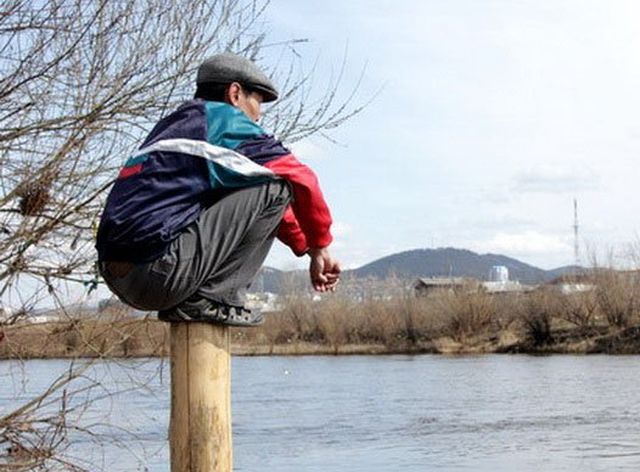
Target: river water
x=371 y=413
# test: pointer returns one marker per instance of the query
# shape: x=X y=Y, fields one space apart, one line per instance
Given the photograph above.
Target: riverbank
x=602 y=320
x=150 y=338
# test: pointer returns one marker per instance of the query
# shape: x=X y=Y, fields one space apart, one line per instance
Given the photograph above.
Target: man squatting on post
x=193 y=213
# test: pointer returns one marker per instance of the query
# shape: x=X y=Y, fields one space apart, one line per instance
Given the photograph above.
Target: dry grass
x=581 y=309
x=338 y=321
x=618 y=297
x=93 y=337
x=538 y=310
x=466 y=313
x=538 y=320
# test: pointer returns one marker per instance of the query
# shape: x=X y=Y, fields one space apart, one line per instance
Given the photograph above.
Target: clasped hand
x=324 y=270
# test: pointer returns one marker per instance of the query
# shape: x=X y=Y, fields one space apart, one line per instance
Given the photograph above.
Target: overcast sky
x=494 y=115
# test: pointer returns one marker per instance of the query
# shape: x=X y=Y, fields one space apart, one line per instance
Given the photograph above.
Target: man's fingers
x=324 y=271
x=325 y=287
x=320 y=278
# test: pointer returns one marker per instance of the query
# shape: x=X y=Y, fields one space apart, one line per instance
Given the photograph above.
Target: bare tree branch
x=80 y=84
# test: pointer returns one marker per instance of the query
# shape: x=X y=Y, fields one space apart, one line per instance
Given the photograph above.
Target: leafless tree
x=80 y=83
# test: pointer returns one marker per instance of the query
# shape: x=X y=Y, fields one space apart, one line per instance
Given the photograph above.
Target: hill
x=453 y=262
x=424 y=263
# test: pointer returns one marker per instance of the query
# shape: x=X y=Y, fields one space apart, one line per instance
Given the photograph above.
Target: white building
x=499 y=273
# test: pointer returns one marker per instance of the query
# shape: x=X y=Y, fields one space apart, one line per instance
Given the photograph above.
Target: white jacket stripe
x=220 y=155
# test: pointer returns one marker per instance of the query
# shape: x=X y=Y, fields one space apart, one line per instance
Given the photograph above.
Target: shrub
x=579 y=308
x=617 y=294
x=466 y=312
x=537 y=313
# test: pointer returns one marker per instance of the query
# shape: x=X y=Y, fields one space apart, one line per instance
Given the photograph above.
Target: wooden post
x=200 y=426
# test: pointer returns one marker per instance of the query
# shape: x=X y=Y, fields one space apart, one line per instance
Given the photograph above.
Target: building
x=508 y=286
x=499 y=274
x=433 y=285
x=426 y=286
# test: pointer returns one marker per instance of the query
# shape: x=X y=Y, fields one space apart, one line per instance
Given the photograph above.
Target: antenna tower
x=576 y=241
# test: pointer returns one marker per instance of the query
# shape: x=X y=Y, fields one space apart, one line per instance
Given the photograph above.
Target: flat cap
x=227 y=68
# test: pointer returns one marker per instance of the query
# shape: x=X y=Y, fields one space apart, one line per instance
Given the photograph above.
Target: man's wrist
x=315 y=251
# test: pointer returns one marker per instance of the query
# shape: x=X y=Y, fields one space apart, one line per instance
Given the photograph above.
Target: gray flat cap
x=227 y=68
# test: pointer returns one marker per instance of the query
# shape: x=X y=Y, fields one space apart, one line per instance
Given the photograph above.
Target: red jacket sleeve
x=291 y=234
x=306 y=224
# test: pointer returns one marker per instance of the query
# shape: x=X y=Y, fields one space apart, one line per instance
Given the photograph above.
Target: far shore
x=602 y=320
x=132 y=338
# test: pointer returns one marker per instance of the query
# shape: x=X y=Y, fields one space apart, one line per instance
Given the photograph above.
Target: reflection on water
x=383 y=413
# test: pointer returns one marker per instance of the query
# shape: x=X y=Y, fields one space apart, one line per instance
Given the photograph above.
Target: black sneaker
x=215 y=313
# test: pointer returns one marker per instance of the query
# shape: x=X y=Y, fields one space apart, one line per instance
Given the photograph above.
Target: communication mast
x=576 y=241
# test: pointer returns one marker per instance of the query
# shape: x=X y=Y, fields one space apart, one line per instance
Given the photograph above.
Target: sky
x=488 y=118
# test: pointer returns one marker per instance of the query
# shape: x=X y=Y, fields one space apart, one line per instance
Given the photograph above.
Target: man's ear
x=233 y=93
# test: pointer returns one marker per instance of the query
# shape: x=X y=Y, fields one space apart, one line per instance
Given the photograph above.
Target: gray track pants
x=214 y=259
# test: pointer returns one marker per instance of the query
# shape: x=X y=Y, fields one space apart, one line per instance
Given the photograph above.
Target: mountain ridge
x=449 y=261
x=428 y=262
